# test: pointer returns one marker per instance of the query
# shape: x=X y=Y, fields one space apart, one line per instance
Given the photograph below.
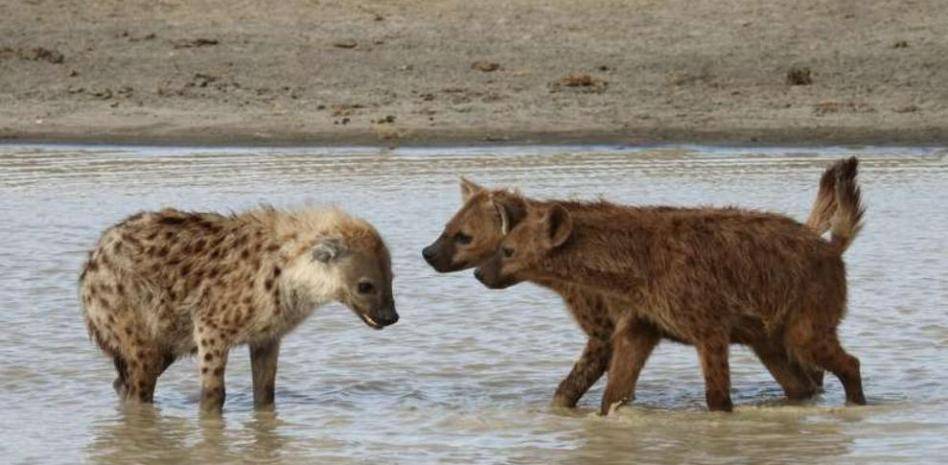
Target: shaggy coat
x=475 y=232
x=706 y=277
x=160 y=285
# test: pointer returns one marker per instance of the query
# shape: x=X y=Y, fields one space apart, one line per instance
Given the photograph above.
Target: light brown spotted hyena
x=160 y=285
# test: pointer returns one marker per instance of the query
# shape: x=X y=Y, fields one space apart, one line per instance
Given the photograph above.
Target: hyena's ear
x=328 y=250
x=557 y=226
x=468 y=189
x=510 y=209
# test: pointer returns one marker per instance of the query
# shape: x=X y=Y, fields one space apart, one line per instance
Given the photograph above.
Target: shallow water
x=466 y=375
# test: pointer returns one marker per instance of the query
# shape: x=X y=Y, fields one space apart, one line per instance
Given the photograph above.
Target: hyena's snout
x=432 y=255
x=440 y=255
x=388 y=315
x=381 y=317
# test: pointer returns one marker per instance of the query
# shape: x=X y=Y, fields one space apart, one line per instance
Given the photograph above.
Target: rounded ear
x=511 y=210
x=558 y=224
x=328 y=250
x=468 y=188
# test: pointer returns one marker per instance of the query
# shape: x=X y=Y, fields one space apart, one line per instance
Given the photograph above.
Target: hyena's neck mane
x=607 y=253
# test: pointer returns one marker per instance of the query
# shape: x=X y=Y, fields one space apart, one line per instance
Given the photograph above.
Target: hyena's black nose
x=389 y=319
x=479 y=274
x=428 y=252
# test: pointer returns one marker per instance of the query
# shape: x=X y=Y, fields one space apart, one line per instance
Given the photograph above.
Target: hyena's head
x=476 y=230
x=544 y=229
x=353 y=267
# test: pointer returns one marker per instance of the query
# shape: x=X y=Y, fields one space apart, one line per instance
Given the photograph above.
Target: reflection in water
x=467 y=374
x=143 y=434
x=756 y=435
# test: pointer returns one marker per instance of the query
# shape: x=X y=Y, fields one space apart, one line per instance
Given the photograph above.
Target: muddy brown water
x=466 y=375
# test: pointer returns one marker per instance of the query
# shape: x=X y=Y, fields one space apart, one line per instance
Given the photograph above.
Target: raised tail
x=838 y=206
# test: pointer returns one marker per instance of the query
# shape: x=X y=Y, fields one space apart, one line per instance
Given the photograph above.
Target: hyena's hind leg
x=122 y=379
x=121 y=382
x=797 y=382
x=819 y=345
x=143 y=366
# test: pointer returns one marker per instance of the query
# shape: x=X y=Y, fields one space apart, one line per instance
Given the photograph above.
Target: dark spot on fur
x=117 y=247
x=203 y=370
x=171 y=220
x=198 y=246
x=218 y=371
x=268 y=284
x=276 y=272
x=208 y=357
x=273 y=248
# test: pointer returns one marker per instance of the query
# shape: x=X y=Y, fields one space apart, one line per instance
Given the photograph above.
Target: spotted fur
x=164 y=284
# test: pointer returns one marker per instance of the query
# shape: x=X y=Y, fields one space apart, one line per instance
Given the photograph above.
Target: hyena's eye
x=366 y=287
x=462 y=238
x=507 y=251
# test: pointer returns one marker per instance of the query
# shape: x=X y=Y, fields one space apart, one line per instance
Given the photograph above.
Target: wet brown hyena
x=706 y=276
x=163 y=284
x=475 y=232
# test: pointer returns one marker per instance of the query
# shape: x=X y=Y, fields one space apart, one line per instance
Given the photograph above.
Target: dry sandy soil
x=432 y=72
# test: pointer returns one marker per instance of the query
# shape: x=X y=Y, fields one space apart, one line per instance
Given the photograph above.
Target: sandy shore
x=432 y=72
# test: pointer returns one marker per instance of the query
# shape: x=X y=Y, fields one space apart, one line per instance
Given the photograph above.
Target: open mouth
x=369 y=321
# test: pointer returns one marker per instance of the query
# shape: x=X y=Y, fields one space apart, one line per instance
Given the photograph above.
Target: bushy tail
x=838 y=206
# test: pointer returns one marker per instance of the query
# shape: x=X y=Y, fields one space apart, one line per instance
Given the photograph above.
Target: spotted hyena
x=164 y=284
x=707 y=277
x=475 y=232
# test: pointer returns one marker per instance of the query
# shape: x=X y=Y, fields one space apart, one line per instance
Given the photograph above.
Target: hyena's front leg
x=212 y=360
x=632 y=344
x=713 y=352
x=587 y=370
x=263 y=362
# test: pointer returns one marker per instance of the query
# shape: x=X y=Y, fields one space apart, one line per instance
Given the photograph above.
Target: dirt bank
x=419 y=72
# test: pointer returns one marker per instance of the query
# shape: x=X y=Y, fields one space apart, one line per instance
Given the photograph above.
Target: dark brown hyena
x=475 y=232
x=160 y=285
x=707 y=277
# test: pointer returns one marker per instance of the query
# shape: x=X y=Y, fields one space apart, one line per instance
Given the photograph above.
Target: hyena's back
x=144 y=276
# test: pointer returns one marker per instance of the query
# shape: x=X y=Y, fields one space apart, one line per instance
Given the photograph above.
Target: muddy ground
x=430 y=72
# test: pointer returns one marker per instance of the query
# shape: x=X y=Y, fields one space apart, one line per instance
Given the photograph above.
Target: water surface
x=466 y=375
